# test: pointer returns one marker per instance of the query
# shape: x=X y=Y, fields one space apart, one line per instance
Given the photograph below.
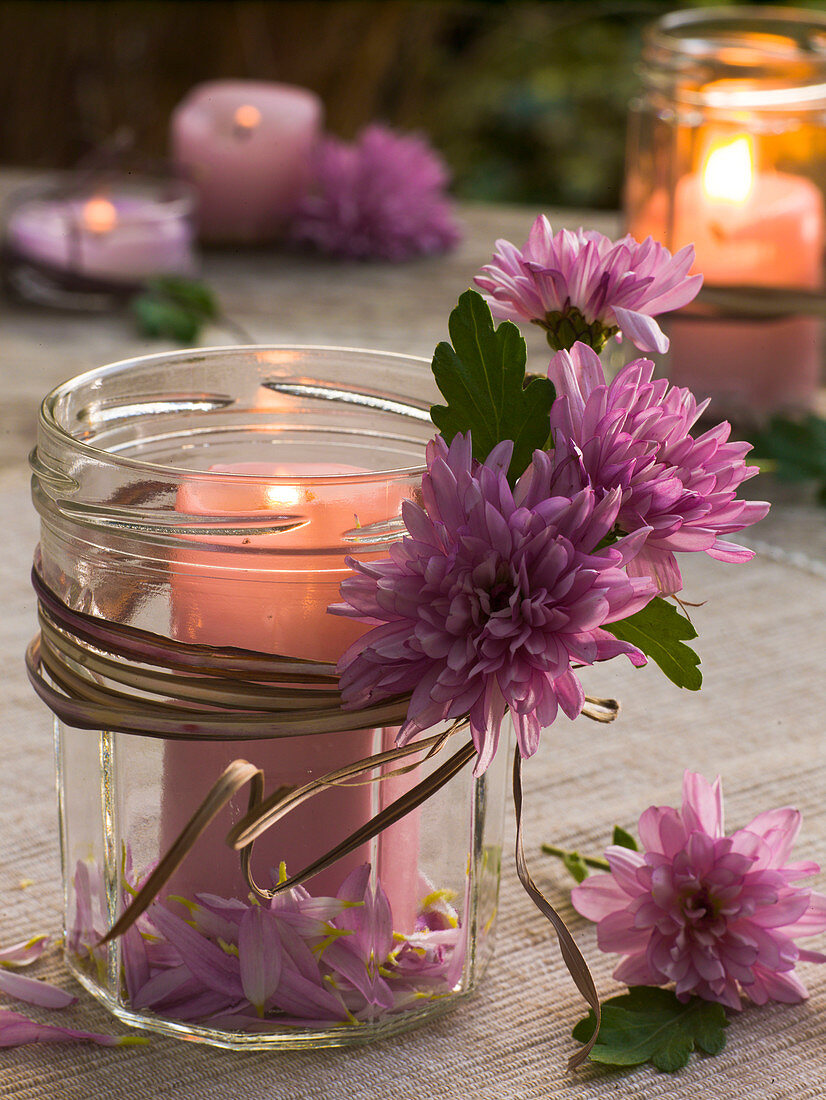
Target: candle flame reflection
x=99 y=216
x=729 y=171
x=283 y=496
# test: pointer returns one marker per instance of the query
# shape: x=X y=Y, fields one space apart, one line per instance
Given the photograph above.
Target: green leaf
x=795 y=450
x=482 y=378
x=159 y=319
x=175 y=308
x=575 y=865
x=647 y=1024
x=189 y=294
x=624 y=839
x=659 y=630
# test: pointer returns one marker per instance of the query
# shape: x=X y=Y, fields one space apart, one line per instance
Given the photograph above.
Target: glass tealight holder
x=85 y=241
x=727 y=151
x=210 y=497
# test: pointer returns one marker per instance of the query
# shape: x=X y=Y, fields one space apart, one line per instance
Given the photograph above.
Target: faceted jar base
x=287 y=1040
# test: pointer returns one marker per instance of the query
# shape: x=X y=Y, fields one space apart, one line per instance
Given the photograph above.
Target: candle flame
x=729 y=171
x=246 y=118
x=283 y=496
x=99 y=216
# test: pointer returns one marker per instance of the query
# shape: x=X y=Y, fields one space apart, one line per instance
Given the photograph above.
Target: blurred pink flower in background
x=582 y=285
x=382 y=197
x=634 y=434
x=716 y=915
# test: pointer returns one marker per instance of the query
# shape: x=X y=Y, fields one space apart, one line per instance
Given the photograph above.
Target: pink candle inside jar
x=246 y=146
x=270 y=592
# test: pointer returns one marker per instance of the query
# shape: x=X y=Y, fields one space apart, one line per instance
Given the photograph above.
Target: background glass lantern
x=727 y=150
x=211 y=497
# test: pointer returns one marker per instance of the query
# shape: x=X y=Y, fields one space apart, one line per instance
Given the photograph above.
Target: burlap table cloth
x=759 y=722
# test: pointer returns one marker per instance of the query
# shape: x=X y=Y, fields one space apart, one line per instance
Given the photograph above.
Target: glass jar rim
x=718 y=44
x=49 y=422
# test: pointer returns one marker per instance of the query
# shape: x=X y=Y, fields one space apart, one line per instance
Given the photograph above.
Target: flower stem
x=564 y=853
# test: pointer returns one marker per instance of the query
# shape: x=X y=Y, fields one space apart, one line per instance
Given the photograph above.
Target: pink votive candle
x=246 y=146
x=272 y=596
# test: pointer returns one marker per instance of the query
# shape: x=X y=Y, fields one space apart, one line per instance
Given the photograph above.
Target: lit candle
x=749 y=226
x=762 y=228
x=260 y=592
x=123 y=235
x=247 y=147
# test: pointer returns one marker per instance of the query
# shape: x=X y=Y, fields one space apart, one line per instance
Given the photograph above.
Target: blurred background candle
x=246 y=145
x=727 y=150
x=76 y=233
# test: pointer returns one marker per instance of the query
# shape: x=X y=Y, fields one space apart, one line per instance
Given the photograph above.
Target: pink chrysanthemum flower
x=382 y=197
x=708 y=912
x=634 y=435
x=583 y=286
x=491 y=599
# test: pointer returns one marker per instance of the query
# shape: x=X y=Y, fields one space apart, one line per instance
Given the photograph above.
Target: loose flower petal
x=34 y=992
x=259 y=951
x=24 y=953
x=17 y=1030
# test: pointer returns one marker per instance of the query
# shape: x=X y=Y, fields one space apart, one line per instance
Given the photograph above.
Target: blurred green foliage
x=535 y=108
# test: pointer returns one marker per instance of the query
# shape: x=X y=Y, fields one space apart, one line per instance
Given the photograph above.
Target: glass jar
x=211 y=497
x=727 y=151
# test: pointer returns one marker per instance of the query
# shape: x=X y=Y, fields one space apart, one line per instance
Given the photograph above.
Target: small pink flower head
x=634 y=435
x=583 y=286
x=716 y=915
x=382 y=197
x=491 y=599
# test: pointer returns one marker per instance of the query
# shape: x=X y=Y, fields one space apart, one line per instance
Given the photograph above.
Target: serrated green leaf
x=482 y=378
x=660 y=631
x=575 y=865
x=624 y=839
x=648 y=1024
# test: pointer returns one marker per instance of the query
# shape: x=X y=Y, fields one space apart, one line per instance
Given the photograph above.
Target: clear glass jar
x=727 y=151
x=211 y=496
